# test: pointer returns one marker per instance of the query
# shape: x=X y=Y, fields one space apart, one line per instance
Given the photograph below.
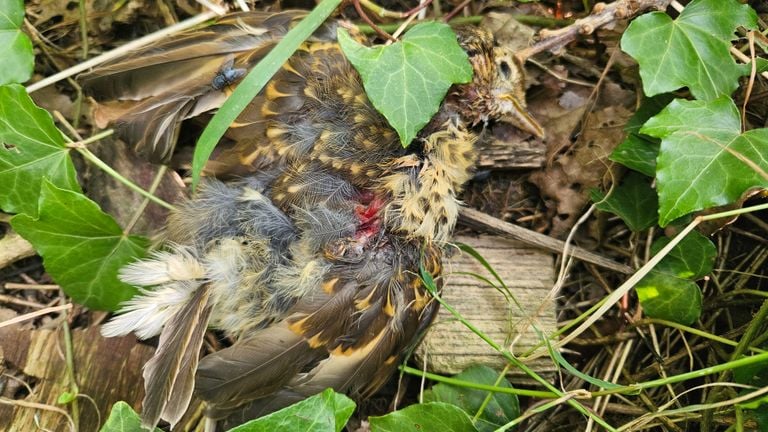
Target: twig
x=386 y=13
x=456 y=10
x=19 y=286
x=83 y=27
x=483 y=221
x=601 y=16
x=21 y=302
x=35 y=405
x=367 y=19
x=35 y=314
x=219 y=10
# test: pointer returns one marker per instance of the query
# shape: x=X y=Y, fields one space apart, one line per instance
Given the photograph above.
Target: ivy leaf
x=407 y=81
x=705 y=160
x=324 y=412
x=634 y=201
x=82 y=247
x=667 y=297
x=639 y=151
x=668 y=292
x=432 y=416
x=501 y=409
x=15 y=46
x=30 y=148
x=692 y=258
x=122 y=418
x=691 y=51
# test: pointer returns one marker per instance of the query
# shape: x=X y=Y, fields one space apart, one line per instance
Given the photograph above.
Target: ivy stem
x=567 y=397
x=473 y=385
x=82 y=147
x=70 y=361
x=88 y=155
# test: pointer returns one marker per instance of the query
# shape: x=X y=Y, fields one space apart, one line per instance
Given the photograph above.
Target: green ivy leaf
x=668 y=292
x=82 y=247
x=634 y=201
x=324 y=412
x=30 y=148
x=15 y=46
x=692 y=258
x=407 y=81
x=432 y=416
x=639 y=151
x=666 y=297
x=691 y=51
x=501 y=409
x=705 y=160
x=122 y=418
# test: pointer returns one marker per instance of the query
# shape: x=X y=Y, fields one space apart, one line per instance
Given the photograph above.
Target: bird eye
x=505 y=69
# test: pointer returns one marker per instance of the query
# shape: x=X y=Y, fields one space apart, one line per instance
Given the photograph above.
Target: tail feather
x=169 y=375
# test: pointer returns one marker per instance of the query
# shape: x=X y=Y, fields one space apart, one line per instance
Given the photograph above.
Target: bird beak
x=517 y=115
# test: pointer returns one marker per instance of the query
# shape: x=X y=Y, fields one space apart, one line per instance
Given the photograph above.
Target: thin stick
x=21 y=302
x=35 y=314
x=20 y=286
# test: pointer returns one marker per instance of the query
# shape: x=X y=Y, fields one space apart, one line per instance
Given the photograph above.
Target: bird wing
x=349 y=334
x=148 y=92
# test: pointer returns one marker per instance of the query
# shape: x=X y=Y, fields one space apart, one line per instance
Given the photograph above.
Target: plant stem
x=88 y=155
x=520 y=365
x=476 y=386
x=70 y=359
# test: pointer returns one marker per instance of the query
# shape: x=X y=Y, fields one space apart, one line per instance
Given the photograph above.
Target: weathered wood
x=449 y=347
x=14 y=248
x=483 y=222
x=107 y=370
x=518 y=154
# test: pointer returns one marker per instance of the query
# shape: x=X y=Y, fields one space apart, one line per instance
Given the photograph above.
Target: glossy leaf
x=692 y=258
x=324 y=412
x=639 y=151
x=634 y=201
x=122 y=418
x=667 y=297
x=407 y=80
x=82 y=247
x=432 y=416
x=501 y=409
x=690 y=51
x=15 y=46
x=30 y=148
x=704 y=160
x=669 y=291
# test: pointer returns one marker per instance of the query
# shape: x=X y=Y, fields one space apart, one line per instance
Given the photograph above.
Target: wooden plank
x=107 y=370
x=449 y=347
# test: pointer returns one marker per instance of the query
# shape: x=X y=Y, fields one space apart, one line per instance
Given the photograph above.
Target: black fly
x=227 y=75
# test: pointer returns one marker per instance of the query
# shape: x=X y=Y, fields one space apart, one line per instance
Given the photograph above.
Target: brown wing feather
x=349 y=335
x=168 y=377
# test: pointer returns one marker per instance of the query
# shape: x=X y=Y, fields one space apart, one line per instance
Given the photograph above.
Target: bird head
x=497 y=89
